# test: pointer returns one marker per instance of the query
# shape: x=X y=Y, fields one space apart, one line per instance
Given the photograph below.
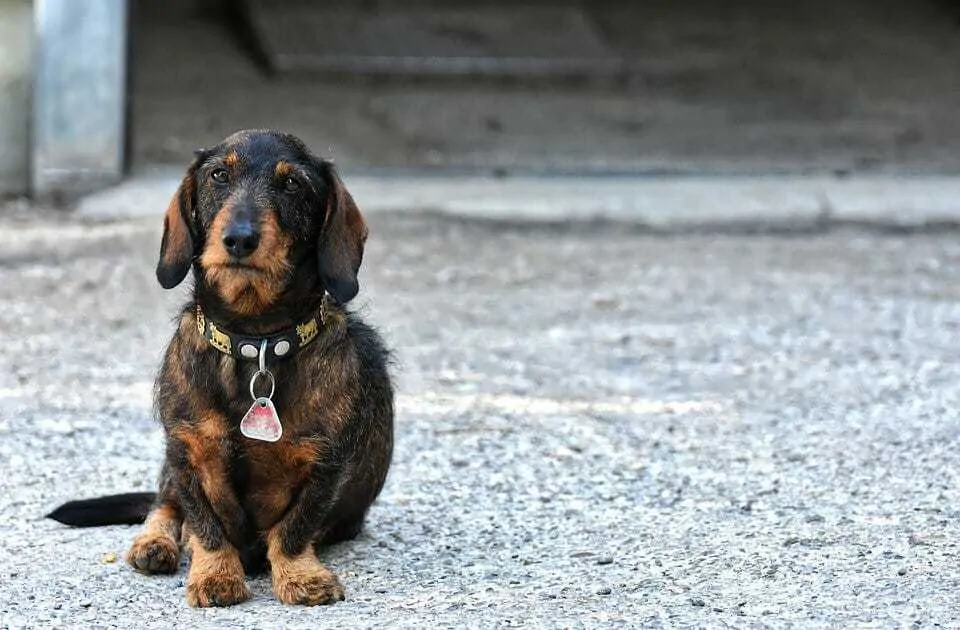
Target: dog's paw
x=216 y=590
x=310 y=586
x=153 y=553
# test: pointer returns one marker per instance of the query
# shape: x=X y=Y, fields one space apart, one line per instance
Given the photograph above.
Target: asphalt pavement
x=597 y=427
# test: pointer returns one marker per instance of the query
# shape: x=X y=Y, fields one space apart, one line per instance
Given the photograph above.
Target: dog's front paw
x=216 y=576
x=154 y=553
x=309 y=585
x=216 y=590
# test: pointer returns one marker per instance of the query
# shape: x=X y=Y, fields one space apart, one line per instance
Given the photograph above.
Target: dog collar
x=279 y=345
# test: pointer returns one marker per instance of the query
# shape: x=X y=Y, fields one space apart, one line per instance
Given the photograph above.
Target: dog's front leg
x=214 y=519
x=157 y=548
x=298 y=575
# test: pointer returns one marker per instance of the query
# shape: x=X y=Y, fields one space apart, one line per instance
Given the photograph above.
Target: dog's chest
x=275 y=474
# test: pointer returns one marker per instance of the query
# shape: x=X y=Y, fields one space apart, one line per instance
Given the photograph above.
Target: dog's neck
x=299 y=300
x=278 y=317
x=274 y=343
x=290 y=317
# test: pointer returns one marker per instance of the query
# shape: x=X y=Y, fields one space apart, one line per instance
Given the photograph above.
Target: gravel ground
x=596 y=428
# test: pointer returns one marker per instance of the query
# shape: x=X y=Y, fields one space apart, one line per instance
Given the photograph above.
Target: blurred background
x=93 y=90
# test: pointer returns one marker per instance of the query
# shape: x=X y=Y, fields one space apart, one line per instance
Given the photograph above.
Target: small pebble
x=902 y=571
x=605 y=560
x=109 y=558
x=606 y=590
x=696 y=601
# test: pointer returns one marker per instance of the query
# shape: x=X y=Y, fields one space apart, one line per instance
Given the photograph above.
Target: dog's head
x=257 y=214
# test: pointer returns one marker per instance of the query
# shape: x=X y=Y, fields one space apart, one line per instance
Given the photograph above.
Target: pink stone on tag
x=262 y=422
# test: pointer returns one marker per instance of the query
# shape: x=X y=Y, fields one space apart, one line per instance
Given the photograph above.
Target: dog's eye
x=290 y=185
x=219 y=175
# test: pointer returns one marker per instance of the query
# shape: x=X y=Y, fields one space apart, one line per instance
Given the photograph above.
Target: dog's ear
x=178 y=247
x=340 y=247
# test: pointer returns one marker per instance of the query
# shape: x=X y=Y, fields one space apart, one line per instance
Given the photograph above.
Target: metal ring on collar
x=253 y=382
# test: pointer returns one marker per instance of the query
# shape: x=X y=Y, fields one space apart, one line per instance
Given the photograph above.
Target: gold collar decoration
x=279 y=345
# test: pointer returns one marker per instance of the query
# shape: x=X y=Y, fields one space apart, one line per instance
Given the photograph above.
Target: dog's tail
x=117 y=509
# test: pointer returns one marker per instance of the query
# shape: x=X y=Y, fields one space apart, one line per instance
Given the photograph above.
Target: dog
x=276 y=402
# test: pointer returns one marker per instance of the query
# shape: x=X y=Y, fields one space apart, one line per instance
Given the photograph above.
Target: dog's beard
x=247 y=290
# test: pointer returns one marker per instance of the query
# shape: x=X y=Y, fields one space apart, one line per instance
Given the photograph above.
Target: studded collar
x=279 y=345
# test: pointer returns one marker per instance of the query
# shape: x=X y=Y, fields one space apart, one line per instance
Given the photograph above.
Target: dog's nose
x=241 y=239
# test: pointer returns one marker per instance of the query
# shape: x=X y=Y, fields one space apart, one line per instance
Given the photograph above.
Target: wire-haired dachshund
x=276 y=402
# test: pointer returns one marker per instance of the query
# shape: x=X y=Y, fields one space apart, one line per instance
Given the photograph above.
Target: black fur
x=118 y=509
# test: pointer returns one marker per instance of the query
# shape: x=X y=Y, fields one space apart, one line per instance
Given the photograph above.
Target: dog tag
x=262 y=422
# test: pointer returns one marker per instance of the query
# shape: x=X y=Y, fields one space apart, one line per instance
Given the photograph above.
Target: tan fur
x=301 y=579
x=157 y=548
x=253 y=289
x=216 y=577
x=283 y=169
x=204 y=441
x=277 y=473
